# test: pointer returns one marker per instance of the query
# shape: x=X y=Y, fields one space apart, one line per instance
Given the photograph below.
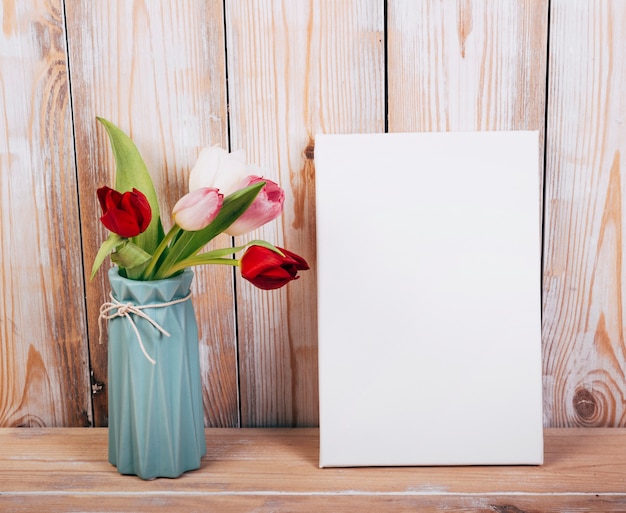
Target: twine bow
x=114 y=308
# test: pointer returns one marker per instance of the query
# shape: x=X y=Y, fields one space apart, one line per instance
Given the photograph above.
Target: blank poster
x=429 y=299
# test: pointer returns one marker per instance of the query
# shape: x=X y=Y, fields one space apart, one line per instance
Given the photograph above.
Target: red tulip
x=126 y=214
x=268 y=270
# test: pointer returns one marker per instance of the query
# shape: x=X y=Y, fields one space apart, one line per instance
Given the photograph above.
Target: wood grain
x=277 y=470
x=294 y=69
x=467 y=65
x=43 y=356
x=584 y=347
x=157 y=70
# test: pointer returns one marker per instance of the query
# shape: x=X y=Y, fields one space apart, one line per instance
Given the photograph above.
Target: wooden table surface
x=272 y=470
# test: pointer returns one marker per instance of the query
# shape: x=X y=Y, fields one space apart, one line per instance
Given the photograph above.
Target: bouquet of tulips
x=225 y=195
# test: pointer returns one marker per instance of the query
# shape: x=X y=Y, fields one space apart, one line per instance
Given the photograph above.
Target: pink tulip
x=267 y=206
x=198 y=208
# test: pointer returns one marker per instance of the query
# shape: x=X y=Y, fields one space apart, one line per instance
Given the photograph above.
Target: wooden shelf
x=263 y=470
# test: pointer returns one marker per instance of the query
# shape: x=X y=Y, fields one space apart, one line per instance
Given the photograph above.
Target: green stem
x=198 y=260
x=147 y=274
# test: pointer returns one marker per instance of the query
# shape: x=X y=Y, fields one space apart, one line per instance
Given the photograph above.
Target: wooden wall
x=266 y=75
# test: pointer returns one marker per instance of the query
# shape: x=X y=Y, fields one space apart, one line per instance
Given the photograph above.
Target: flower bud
x=268 y=270
x=217 y=168
x=126 y=214
x=268 y=205
x=197 y=209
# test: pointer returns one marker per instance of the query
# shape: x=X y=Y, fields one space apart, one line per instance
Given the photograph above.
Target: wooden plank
x=157 y=70
x=467 y=65
x=295 y=68
x=286 y=460
x=276 y=470
x=43 y=354
x=584 y=346
x=610 y=503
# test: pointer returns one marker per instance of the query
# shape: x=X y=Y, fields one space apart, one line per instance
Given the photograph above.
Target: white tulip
x=219 y=169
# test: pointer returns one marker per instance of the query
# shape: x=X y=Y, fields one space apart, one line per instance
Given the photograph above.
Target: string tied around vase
x=114 y=308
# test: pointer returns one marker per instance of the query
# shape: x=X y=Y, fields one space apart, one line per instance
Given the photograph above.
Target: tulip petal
x=197 y=209
x=267 y=206
x=120 y=222
x=233 y=170
x=126 y=214
x=207 y=165
x=268 y=270
x=299 y=262
x=217 y=168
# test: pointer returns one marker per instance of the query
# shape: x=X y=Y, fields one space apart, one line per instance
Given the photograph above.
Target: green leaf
x=107 y=247
x=217 y=253
x=216 y=256
x=189 y=243
x=160 y=253
x=201 y=259
x=265 y=244
x=131 y=257
x=131 y=172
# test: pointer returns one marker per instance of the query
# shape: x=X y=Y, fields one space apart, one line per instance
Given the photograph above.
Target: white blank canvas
x=429 y=299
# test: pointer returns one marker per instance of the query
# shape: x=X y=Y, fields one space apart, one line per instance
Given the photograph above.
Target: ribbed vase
x=156 y=420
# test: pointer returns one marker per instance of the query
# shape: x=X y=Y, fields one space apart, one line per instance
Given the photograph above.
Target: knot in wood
x=309 y=151
x=507 y=509
x=585 y=404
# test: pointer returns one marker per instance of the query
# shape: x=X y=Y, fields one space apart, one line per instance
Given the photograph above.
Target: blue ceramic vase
x=156 y=419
